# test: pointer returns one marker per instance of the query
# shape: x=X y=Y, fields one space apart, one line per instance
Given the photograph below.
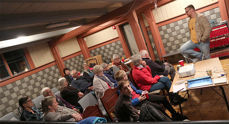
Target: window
x=16 y=61
x=3 y=72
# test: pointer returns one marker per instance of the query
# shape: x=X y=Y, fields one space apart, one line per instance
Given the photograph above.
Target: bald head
x=144 y=54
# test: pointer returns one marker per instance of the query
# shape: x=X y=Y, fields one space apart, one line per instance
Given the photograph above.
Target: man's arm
x=155 y=66
x=207 y=28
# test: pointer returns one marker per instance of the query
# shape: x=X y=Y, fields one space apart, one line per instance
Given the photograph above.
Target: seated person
x=81 y=83
x=139 y=97
x=29 y=112
x=118 y=65
x=88 y=73
x=157 y=69
x=46 y=91
x=125 y=111
x=50 y=109
x=100 y=82
x=70 y=94
x=67 y=75
x=142 y=76
x=108 y=72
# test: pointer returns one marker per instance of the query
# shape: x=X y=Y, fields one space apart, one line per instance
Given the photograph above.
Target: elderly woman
x=50 y=109
x=100 y=82
x=29 y=112
x=69 y=93
x=143 y=78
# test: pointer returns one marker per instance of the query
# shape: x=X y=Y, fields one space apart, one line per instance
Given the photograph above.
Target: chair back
x=92 y=111
x=109 y=100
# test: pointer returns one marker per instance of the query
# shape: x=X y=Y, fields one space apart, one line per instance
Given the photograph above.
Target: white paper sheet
x=219 y=80
x=179 y=87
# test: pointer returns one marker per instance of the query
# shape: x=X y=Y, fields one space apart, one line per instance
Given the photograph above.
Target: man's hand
x=144 y=92
x=143 y=63
x=141 y=98
x=80 y=94
x=90 y=88
x=166 y=63
x=77 y=116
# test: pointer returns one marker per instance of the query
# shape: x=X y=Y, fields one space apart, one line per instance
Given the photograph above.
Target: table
x=200 y=71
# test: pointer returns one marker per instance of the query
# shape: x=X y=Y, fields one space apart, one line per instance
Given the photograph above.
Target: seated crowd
x=135 y=102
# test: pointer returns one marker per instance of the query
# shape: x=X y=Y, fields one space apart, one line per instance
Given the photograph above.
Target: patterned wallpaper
x=75 y=63
x=175 y=34
x=30 y=86
x=108 y=50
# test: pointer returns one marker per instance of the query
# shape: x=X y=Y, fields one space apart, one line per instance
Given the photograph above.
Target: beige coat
x=203 y=28
x=99 y=86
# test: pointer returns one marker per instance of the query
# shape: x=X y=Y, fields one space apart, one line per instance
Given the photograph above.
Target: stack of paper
x=219 y=80
x=179 y=87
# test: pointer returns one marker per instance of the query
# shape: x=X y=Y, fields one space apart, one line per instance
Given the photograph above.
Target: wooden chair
x=109 y=100
x=92 y=111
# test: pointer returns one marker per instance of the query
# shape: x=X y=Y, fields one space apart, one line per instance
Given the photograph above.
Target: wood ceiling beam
x=53 y=1
x=110 y=18
x=26 y=20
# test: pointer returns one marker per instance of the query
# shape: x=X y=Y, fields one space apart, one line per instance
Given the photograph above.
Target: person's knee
x=182 y=49
x=164 y=79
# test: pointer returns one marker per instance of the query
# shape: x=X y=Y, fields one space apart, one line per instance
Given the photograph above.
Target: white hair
x=116 y=56
x=61 y=82
x=136 y=59
x=97 y=69
x=144 y=53
x=104 y=65
x=43 y=91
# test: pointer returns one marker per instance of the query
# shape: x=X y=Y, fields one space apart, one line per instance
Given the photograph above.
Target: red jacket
x=143 y=77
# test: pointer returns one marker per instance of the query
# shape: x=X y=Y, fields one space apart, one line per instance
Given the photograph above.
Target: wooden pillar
x=7 y=66
x=57 y=57
x=29 y=59
x=133 y=20
x=123 y=42
x=227 y=7
x=144 y=30
x=223 y=10
x=155 y=32
x=83 y=47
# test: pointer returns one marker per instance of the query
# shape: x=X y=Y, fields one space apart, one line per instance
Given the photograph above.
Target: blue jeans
x=187 y=49
x=162 y=83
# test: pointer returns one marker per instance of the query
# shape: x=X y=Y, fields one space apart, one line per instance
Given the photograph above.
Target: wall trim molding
x=71 y=55
x=25 y=74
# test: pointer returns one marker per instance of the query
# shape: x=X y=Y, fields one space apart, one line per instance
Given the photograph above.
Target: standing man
x=199 y=29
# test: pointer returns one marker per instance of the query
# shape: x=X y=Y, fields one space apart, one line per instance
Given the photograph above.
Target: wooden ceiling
x=28 y=17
